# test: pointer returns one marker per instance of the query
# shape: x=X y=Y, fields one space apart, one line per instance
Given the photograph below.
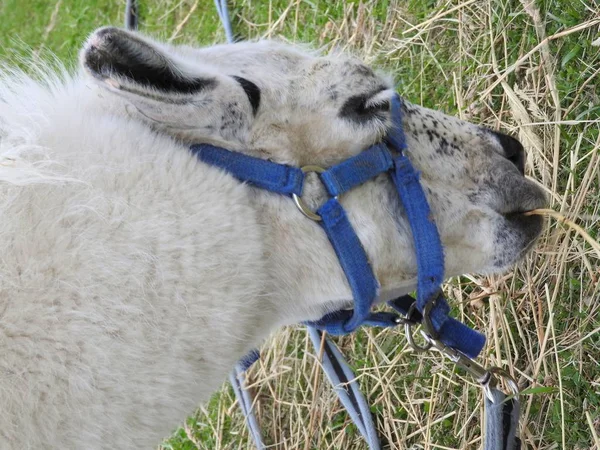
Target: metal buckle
x=301 y=204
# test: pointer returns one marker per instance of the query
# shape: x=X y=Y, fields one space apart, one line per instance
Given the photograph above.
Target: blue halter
x=381 y=158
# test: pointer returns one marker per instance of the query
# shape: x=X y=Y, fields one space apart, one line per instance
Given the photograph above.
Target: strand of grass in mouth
x=562 y=219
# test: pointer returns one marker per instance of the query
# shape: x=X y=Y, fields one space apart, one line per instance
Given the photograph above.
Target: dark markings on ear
x=251 y=90
x=356 y=109
x=116 y=53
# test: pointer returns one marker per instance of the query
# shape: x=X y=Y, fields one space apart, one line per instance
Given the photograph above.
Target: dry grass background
x=528 y=67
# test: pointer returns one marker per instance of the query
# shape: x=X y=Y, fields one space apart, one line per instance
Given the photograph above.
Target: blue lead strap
x=131 y=15
x=501 y=422
x=346 y=386
x=223 y=12
x=339 y=374
x=246 y=402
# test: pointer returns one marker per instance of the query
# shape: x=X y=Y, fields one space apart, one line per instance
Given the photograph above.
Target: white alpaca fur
x=133 y=277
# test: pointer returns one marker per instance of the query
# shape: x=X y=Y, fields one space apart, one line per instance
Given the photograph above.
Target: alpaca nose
x=513 y=150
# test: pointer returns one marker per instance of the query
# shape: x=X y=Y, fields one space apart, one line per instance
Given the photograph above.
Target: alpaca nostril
x=513 y=150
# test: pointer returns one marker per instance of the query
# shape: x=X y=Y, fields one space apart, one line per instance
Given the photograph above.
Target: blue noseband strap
x=357 y=170
x=338 y=179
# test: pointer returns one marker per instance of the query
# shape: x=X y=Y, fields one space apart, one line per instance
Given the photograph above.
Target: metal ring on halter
x=301 y=204
x=409 y=335
x=427 y=323
x=503 y=374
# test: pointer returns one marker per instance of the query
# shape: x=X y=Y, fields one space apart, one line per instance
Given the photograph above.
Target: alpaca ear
x=131 y=63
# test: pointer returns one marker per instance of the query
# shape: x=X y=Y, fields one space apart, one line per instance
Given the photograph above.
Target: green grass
x=543 y=319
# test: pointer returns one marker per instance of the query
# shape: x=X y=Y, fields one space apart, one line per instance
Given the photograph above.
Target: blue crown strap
x=264 y=174
x=395 y=136
x=430 y=261
x=355 y=264
x=358 y=169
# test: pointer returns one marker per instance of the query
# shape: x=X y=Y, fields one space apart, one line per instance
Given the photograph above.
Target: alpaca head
x=281 y=103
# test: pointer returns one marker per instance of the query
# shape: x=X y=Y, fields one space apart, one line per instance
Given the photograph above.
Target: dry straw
x=562 y=219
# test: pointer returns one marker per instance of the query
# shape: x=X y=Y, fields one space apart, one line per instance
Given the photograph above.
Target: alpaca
x=133 y=276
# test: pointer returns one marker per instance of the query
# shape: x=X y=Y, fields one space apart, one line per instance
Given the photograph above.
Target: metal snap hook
x=301 y=204
x=427 y=322
x=408 y=324
x=495 y=373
